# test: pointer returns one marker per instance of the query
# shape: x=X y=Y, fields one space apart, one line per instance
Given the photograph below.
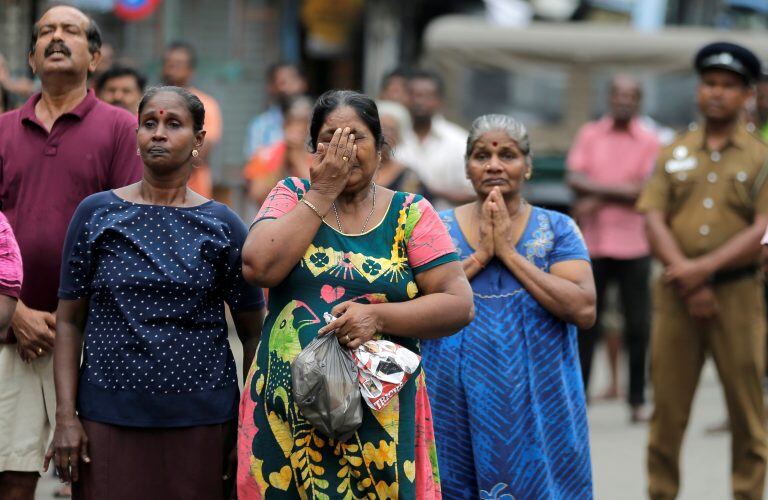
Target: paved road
x=618 y=448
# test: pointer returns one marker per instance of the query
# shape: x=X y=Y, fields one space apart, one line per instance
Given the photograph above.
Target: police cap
x=730 y=57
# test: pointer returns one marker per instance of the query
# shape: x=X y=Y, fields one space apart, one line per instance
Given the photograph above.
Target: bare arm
x=7 y=308
x=274 y=246
x=22 y=86
x=627 y=192
x=444 y=307
x=70 y=325
x=69 y=443
x=567 y=291
x=248 y=325
x=471 y=266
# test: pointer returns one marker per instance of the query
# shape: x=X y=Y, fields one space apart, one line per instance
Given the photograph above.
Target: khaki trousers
x=736 y=341
x=27 y=410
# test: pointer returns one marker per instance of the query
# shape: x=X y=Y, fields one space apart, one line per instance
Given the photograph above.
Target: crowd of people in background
x=112 y=249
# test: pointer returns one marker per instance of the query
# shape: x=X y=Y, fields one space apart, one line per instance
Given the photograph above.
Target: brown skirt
x=130 y=463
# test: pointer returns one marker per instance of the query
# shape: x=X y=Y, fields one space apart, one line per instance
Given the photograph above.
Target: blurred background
x=546 y=62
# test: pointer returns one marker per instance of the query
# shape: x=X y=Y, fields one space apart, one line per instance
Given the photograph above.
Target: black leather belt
x=728 y=275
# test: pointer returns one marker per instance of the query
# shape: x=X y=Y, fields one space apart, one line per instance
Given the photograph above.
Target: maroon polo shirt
x=44 y=176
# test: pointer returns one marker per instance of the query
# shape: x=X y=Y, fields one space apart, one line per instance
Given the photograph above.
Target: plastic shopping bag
x=383 y=369
x=325 y=388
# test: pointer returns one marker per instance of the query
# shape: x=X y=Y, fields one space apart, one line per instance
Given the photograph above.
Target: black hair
x=398 y=72
x=425 y=74
x=275 y=67
x=194 y=105
x=364 y=107
x=186 y=47
x=92 y=34
x=118 y=71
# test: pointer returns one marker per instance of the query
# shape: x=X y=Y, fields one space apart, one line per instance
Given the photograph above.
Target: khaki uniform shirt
x=708 y=196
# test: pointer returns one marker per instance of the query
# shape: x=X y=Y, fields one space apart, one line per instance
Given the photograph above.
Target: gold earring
x=528 y=175
x=195 y=153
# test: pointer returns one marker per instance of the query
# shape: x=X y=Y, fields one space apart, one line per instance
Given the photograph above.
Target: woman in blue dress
x=506 y=392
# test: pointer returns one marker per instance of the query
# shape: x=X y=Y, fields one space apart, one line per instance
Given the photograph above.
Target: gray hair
x=487 y=123
x=399 y=113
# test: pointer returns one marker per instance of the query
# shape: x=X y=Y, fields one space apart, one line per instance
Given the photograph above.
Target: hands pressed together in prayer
x=497 y=228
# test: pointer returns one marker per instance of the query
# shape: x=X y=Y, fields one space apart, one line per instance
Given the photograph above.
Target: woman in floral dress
x=381 y=262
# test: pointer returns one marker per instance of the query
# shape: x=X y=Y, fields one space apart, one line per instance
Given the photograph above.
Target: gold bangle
x=472 y=256
x=311 y=206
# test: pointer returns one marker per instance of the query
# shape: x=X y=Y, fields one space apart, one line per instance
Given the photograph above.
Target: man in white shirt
x=436 y=148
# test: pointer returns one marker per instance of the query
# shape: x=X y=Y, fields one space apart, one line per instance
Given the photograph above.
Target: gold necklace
x=365 y=224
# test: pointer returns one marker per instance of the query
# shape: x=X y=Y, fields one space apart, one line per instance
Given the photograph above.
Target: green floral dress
x=392 y=455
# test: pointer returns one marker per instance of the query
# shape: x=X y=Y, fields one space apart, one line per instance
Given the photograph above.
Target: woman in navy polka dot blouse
x=147 y=269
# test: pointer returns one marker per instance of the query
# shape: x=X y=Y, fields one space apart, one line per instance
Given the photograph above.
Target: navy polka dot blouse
x=156 y=350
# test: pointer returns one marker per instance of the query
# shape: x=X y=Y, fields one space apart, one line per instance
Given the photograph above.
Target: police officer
x=706 y=209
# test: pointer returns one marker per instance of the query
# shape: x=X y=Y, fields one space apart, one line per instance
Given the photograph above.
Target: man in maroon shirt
x=61 y=146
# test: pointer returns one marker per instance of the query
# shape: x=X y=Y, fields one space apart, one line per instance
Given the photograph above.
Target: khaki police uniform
x=708 y=197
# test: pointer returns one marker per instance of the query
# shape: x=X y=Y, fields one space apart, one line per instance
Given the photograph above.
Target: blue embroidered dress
x=506 y=391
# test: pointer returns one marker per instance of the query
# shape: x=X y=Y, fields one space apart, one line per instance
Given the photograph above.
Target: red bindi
x=162 y=111
x=495 y=143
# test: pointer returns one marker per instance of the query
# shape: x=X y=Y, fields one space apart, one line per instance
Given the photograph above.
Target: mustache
x=57 y=47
